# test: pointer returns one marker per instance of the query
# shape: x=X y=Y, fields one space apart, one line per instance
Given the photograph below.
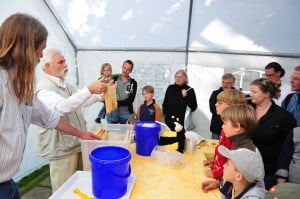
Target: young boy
x=239 y=122
x=149 y=111
x=244 y=173
x=224 y=100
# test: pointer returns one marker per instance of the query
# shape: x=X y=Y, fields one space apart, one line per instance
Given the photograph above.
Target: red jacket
x=219 y=160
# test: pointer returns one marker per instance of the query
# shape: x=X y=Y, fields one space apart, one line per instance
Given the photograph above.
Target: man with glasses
x=291 y=102
x=216 y=123
x=274 y=71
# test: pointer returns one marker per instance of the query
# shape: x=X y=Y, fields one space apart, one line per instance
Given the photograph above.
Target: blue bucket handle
x=115 y=174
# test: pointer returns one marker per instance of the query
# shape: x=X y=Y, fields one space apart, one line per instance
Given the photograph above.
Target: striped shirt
x=15 y=118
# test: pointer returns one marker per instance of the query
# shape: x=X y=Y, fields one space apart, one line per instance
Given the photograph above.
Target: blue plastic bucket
x=146 y=137
x=110 y=171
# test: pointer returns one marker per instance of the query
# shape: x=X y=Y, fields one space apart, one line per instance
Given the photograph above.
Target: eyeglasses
x=270 y=75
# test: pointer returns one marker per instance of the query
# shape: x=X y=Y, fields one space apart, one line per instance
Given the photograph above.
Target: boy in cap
x=224 y=99
x=243 y=173
x=239 y=122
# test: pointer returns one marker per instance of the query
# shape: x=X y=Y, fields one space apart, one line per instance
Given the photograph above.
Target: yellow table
x=208 y=148
x=154 y=180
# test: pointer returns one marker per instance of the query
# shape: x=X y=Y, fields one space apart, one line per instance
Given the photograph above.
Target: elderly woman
x=178 y=97
x=274 y=125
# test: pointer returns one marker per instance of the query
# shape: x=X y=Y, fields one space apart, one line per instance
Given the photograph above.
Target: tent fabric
x=207 y=38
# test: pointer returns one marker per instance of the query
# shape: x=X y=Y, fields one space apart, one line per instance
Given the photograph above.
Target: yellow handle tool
x=82 y=195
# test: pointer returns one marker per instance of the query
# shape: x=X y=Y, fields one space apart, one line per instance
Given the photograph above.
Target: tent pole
x=188 y=35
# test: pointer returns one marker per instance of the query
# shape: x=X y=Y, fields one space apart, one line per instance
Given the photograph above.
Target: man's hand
x=88 y=136
x=209 y=185
x=97 y=87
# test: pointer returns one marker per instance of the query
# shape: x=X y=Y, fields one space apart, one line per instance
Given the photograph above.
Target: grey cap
x=248 y=162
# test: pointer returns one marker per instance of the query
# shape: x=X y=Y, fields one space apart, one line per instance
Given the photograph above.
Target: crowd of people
x=258 y=139
x=276 y=134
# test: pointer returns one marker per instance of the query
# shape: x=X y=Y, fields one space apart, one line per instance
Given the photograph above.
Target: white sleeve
x=43 y=116
x=68 y=105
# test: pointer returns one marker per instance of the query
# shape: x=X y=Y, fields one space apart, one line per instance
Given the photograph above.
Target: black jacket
x=215 y=122
x=129 y=101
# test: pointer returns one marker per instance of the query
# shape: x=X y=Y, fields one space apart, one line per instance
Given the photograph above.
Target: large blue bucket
x=110 y=171
x=146 y=137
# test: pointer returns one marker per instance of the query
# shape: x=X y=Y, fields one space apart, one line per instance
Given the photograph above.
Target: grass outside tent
x=34 y=179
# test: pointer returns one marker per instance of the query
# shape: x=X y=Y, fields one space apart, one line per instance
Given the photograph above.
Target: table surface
x=208 y=148
x=155 y=180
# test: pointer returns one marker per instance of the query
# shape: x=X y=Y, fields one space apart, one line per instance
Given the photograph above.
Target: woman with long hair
x=22 y=40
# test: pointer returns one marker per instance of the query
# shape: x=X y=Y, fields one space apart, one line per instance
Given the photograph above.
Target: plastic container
x=119 y=135
x=146 y=137
x=190 y=146
x=110 y=166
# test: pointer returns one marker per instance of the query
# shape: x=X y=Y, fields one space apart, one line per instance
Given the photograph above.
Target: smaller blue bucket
x=110 y=171
x=146 y=137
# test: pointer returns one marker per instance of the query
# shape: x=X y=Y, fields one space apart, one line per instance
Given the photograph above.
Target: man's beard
x=63 y=73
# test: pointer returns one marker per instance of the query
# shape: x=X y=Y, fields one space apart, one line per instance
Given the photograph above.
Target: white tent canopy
x=206 y=37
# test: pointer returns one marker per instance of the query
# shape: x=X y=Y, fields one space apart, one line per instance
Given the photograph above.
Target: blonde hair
x=243 y=114
x=232 y=96
x=20 y=37
x=103 y=67
x=148 y=89
x=268 y=86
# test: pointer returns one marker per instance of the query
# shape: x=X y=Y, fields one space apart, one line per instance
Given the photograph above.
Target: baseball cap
x=248 y=162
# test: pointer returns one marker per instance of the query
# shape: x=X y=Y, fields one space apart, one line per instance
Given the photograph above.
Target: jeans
x=102 y=113
x=117 y=117
x=9 y=190
x=113 y=117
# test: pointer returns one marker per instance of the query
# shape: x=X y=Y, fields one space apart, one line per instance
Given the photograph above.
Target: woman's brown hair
x=20 y=37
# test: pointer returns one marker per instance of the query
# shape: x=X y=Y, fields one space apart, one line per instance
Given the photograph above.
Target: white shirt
x=63 y=106
x=15 y=119
x=285 y=90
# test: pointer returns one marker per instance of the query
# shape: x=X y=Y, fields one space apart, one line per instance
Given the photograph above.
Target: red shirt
x=219 y=160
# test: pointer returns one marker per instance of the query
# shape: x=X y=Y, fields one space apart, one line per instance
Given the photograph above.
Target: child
x=239 y=122
x=149 y=111
x=105 y=72
x=224 y=100
x=244 y=173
